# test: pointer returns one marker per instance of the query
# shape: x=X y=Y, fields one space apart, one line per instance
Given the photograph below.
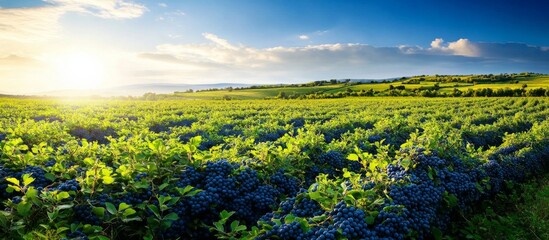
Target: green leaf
x=315 y=196
x=12 y=188
x=52 y=215
x=225 y=215
x=110 y=208
x=64 y=206
x=437 y=233
x=219 y=227
x=143 y=184
x=99 y=211
x=27 y=179
x=352 y=157
x=319 y=218
x=131 y=219
x=370 y=220
x=452 y=200
x=184 y=191
x=24 y=208
x=123 y=206
x=405 y=163
x=164 y=185
x=31 y=193
x=62 y=229
x=108 y=180
x=240 y=228
x=148 y=237
x=62 y=195
x=234 y=224
x=289 y=218
x=171 y=217
x=14 y=181
x=346 y=174
x=154 y=209
x=128 y=212
x=40 y=235
x=89 y=161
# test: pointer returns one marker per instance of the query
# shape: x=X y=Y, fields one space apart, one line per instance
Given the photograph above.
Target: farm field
x=462 y=83
x=351 y=168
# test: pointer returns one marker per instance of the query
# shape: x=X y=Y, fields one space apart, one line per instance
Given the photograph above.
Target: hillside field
x=463 y=84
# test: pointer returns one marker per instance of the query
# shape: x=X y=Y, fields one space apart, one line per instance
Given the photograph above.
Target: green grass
x=248 y=94
x=523 y=214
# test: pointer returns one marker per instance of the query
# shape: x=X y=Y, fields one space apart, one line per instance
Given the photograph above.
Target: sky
x=48 y=45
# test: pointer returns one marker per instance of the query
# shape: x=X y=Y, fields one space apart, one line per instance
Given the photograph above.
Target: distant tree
x=281 y=95
x=456 y=92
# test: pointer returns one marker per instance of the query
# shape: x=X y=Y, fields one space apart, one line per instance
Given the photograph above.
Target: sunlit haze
x=53 y=45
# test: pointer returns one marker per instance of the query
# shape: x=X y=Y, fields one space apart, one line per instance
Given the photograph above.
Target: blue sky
x=250 y=41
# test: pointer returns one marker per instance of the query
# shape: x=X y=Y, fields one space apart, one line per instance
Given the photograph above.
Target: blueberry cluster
x=306 y=207
x=395 y=172
x=346 y=221
x=484 y=138
x=331 y=163
x=50 y=163
x=70 y=185
x=229 y=130
x=165 y=127
x=420 y=198
x=207 y=140
x=84 y=214
x=226 y=186
x=351 y=221
x=93 y=134
x=4 y=173
x=392 y=222
x=77 y=235
x=270 y=136
x=40 y=180
x=297 y=122
x=285 y=184
x=335 y=133
x=48 y=119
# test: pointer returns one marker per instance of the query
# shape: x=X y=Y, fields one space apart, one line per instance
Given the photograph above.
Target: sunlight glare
x=79 y=70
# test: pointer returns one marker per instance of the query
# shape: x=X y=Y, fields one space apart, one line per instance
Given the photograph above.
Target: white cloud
x=164 y=5
x=117 y=9
x=437 y=43
x=304 y=37
x=41 y=23
x=219 y=60
x=219 y=41
x=29 y=24
x=462 y=47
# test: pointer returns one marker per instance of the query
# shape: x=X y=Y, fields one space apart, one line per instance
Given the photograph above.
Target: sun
x=79 y=70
